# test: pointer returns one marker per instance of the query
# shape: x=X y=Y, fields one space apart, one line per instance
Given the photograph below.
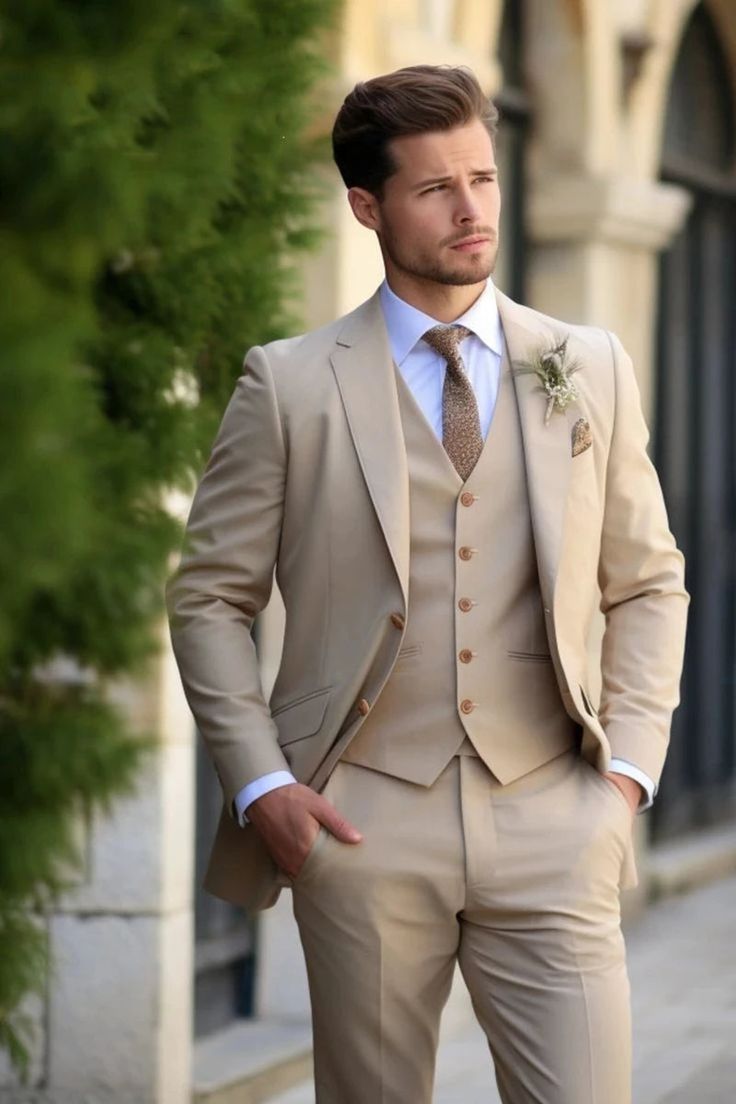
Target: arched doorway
x=695 y=425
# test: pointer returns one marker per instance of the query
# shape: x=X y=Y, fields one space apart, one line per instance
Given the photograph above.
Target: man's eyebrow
x=433 y=180
x=445 y=179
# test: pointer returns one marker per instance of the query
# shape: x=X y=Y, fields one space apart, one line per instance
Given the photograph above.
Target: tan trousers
x=518 y=883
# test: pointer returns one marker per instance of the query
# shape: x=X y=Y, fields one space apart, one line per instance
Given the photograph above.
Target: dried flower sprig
x=553 y=369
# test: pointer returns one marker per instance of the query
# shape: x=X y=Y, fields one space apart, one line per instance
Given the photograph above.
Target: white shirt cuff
x=257 y=788
x=622 y=766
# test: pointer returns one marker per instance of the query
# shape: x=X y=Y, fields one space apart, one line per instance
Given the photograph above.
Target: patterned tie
x=461 y=434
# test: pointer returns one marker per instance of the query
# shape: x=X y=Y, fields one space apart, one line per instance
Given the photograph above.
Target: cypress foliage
x=156 y=179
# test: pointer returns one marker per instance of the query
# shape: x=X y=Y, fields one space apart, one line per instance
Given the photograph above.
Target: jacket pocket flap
x=301 y=718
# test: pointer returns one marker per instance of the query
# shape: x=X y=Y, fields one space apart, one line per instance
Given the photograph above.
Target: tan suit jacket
x=308 y=476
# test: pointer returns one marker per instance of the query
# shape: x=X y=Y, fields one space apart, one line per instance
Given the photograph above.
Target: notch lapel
x=366 y=380
x=547 y=448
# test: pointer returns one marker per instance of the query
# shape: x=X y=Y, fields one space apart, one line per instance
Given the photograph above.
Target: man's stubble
x=423 y=266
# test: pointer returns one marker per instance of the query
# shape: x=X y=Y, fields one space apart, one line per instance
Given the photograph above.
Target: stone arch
x=667 y=24
x=575 y=76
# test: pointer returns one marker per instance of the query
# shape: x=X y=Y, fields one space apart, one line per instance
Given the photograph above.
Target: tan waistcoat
x=474 y=664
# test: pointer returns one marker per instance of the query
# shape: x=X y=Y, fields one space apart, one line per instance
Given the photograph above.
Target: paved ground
x=682 y=963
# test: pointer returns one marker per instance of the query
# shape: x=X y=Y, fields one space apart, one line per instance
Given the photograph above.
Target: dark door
x=513 y=103
x=695 y=428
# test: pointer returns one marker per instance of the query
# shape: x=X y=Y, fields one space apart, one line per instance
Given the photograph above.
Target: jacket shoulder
x=315 y=345
x=594 y=339
x=590 y=347
x=300 y=347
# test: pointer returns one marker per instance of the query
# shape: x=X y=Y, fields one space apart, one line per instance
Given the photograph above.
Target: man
x=439 y=516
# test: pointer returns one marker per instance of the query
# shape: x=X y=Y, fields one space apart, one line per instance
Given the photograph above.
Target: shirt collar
x=406 y=325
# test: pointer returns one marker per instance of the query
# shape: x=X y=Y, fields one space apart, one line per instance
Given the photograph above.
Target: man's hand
x=629 y=787
x=288 y=820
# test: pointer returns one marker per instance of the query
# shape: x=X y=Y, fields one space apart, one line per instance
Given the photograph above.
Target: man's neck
x=445 y=302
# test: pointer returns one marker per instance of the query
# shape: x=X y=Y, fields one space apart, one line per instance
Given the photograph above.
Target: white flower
x=554 y=371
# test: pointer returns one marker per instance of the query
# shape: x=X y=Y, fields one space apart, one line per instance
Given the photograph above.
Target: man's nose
x=468 y=209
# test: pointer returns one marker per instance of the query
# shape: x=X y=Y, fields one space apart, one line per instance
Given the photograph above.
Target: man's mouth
x=471 y=245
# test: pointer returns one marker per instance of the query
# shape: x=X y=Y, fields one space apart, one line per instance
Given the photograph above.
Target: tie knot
x=446 y=339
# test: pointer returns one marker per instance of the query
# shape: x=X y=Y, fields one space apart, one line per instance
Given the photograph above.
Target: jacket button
x=397 y=620
x=467 y=706
x=467 y=498
x=364 y=707
x=466 y=604
x=466 y=655
x=466 y=553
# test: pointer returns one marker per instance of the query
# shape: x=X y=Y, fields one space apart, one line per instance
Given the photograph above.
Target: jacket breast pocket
x=302 y=717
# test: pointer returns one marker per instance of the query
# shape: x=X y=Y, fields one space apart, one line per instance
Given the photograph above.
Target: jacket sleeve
x=643 y=598
x=225 y=579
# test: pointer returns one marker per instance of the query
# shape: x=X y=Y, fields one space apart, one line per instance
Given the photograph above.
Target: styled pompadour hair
x=413 y=100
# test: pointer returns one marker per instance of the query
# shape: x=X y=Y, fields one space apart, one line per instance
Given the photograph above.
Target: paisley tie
x=461 y=433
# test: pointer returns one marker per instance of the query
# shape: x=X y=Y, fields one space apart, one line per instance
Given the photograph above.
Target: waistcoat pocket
x=531 y=657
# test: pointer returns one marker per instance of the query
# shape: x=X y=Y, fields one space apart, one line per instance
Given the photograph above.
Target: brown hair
x=413 y=100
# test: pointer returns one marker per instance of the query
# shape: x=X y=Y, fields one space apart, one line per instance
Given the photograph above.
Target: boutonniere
x=553 y=368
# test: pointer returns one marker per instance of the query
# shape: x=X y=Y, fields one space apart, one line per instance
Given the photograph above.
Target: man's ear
x=365 y=207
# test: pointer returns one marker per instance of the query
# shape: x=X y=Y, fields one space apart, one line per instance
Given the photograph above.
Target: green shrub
x=157 y=185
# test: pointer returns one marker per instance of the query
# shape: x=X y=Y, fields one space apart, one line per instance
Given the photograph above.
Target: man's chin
x=464 y=272
x=463 y=277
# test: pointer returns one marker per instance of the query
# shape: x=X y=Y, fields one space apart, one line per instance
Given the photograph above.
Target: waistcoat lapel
x=365 y=377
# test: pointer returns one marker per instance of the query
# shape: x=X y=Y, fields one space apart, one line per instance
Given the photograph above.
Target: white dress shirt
x=423 y=370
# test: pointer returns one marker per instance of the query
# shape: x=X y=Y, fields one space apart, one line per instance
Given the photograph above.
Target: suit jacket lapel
x=547 y=448
x=366 y=379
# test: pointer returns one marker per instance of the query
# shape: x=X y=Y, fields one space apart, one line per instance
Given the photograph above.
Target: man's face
x=438 y=217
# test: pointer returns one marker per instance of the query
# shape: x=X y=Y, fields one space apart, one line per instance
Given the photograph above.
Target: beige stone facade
x=116 y=1025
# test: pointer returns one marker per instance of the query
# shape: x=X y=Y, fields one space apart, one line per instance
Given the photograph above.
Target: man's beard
x=434 y=271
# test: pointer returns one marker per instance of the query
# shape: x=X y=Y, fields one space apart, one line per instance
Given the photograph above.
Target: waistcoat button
x=397 y=620
x=467 y=498
x=466 y=604
x=467 y=706
x=364 y=707
x=466 y=655
x=466 y=553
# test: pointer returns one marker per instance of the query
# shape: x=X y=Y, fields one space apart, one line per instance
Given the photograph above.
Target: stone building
x=617 y=154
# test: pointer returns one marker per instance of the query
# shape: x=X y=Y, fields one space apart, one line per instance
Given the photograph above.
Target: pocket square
x=582 y=438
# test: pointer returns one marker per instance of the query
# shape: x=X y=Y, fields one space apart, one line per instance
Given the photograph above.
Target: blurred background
x=168 y=201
